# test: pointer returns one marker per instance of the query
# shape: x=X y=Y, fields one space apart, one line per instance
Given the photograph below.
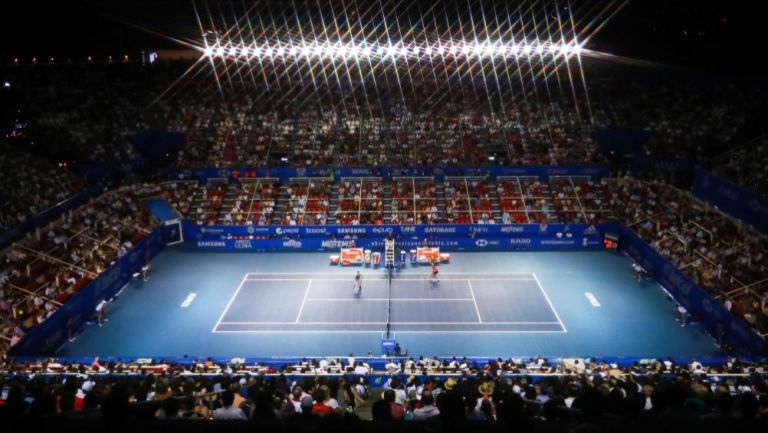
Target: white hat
x=88 y=385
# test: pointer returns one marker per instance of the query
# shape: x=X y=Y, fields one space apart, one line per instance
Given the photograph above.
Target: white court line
x=399 y=332
x=383 y=280
x=393 y=299
x=394 y=323
x=303 y=301
x=279 y=279
x=549 y=302
x=474 y=301
x=229 y=304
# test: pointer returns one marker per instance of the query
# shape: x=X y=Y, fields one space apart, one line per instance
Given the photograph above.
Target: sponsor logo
x=108 y=278
x=706 y=304
x=543 y=228
x=520 y=241
x=440 y=230
x=316 y=230
x=481 y=243
x=287 y=230
x=133 y=256
x=223 y=172
x=211 y=244
x=337 y=243
x=301 y=172
x=381 y=230
x=591 y=230
x=243 y=244
x=677 y=280
x=351 y=230
x=480 y=229
x=407 y=229
x=556 y=171
x=292 y=244
x=250 y=230
x=558 y=242
x=584 y=242
x=513 y=229
x=728 y=193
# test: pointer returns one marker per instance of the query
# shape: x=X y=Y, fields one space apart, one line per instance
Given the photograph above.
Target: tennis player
x=433 y=277
x=358 y=283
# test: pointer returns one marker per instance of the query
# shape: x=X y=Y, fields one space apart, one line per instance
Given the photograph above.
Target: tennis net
x=389 y=300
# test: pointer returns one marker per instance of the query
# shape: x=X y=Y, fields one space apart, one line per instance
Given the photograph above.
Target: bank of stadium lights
x=366 y=51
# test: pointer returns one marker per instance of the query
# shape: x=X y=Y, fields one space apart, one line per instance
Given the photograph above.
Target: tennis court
x=504 y=303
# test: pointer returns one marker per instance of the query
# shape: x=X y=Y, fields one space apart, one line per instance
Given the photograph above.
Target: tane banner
x=543 y=172
x=718 y=321
x=732 y=199
x=401 y=231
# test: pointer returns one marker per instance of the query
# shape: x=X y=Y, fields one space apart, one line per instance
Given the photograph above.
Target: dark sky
x=722 y=36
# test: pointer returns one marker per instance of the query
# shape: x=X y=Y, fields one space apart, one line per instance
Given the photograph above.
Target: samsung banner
x=732 y=199
x=596 y=172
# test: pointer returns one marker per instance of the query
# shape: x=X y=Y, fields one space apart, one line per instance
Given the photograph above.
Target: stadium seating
x=537 y=394
x=31 y=185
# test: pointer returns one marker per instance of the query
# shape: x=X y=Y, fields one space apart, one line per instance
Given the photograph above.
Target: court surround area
x=485 y=304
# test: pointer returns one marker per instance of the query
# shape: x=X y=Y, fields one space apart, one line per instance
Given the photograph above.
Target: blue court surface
x=485 y=304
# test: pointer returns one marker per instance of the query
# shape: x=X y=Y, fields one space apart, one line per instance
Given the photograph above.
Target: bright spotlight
x=428 y=51
x=207 y=52
x=220 y=51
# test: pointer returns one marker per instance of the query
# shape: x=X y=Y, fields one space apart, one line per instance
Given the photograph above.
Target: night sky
x=719 y=37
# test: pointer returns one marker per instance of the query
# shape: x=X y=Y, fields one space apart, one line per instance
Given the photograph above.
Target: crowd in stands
x=694 y=119
x=719 y=254
x=54 y=262
x=415 y=201
x=517 y=392
x=747 y=165
x=31 y=185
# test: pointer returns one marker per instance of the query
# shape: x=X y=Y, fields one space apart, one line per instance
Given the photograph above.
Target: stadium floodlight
x=468 y=49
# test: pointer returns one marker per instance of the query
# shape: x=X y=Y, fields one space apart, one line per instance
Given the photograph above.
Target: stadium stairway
x=387 y=192
x=494 y=202
x=280 y=202
x=440 y=197
x=333 y=203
